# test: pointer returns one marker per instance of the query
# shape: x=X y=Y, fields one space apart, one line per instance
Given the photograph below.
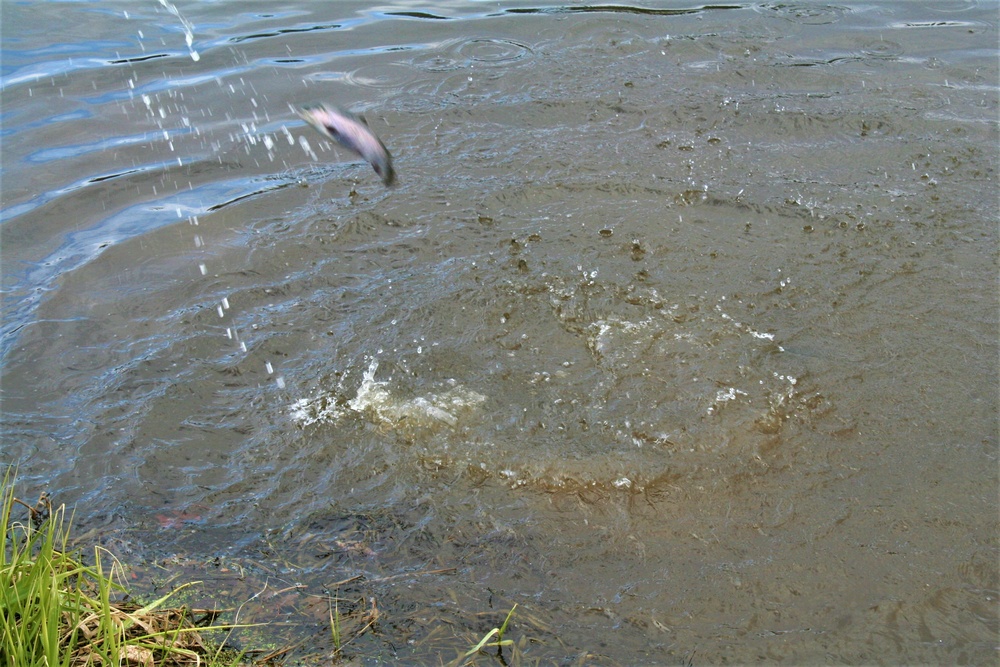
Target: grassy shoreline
x=56 y=610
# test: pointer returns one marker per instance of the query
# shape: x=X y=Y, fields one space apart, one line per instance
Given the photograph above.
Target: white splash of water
x=378 y=403
x=188 y=28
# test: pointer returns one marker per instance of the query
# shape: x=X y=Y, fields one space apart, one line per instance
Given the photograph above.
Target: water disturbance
x=678 y=328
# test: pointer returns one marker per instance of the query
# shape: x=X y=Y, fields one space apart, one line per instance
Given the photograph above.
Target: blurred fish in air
x=351 y=132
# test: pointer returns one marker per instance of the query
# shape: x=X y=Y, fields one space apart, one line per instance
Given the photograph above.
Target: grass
x=485 y=642
x=335 y=625
x=56 y=611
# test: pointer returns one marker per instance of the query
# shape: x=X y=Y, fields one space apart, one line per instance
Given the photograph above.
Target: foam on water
x=377 y=402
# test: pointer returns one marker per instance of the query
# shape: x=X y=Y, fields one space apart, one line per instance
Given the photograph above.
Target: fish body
x=351 y=132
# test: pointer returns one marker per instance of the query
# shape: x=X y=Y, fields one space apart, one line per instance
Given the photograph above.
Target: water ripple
x=807 y=13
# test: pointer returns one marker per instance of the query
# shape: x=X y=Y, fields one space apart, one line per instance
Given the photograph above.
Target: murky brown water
x=679 y=330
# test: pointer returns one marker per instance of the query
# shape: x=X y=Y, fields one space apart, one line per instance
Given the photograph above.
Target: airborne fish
x=351 y=132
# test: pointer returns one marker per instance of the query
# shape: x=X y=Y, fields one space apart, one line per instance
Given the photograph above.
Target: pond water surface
x=678 y=330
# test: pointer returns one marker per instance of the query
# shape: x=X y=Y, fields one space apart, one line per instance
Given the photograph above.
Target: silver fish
x=351 y=132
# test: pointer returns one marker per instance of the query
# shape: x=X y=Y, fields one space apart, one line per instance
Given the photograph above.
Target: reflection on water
x=679 y=330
